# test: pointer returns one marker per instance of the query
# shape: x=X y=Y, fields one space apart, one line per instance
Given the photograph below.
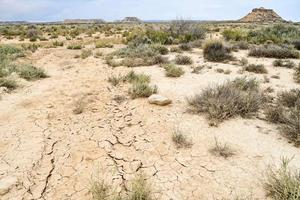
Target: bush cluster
x=285 y=111
x=240 y=97
x=273 y=51
x=216 y=51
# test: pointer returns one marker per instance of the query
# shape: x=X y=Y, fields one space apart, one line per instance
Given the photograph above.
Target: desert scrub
x=283 y=183
x=284 y=63
x=31 y=73
x=256 y=68
x=10 y=52
x=10 y=84
x=273 y=51
x=285 y=112
x=85 y=54
x=183 y=60
x=233 y=98
x=172 y=70
x=145 y=55
x=216 y=51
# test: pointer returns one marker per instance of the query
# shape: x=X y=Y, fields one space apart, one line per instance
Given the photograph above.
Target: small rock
x=159 y=100
x=6 y=184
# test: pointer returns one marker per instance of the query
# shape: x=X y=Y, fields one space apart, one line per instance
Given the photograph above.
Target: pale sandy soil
x=55 y=153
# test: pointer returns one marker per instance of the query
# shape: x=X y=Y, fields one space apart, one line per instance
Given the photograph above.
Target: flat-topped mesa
x=131 y=20
x=262 y=15
x=84 y=21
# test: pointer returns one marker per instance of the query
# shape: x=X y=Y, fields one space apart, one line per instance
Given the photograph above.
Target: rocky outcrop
x=262 y=15
x=131 y=20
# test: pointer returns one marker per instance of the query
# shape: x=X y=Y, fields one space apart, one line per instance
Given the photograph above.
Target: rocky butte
x=262 y=15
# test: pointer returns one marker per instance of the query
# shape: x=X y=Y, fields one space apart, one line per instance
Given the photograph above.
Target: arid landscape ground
x=77 y=124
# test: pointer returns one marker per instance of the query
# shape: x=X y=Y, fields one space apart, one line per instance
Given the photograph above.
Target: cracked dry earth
x=55 y=154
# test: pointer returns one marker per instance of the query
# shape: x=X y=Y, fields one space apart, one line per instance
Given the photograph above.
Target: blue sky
x=52 y=10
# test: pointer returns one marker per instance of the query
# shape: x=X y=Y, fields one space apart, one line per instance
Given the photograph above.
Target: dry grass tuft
x=283 y=183
x=181 y=140
x=222 y=150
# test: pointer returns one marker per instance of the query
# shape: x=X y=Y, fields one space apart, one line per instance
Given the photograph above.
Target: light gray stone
x=159 y=100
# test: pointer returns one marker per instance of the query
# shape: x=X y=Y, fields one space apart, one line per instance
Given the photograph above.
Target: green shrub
x=142 y=89
x=259 y=69
x=183 y=60
x=215 y=51
x=31 y=73
x=227 y=100
x=273 y=51
x=132 y=77
x=284 y=63
x=235 y=35
x=278 y=34
x=10 y=84
x=283 y=183
x=173 y=71
x=10 y=52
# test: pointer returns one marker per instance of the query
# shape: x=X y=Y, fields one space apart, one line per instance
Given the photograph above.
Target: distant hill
x=131 y=20
x=83 y=21
x=262 y=15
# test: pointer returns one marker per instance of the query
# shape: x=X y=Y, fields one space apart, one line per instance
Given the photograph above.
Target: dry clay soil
x=55 y=153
